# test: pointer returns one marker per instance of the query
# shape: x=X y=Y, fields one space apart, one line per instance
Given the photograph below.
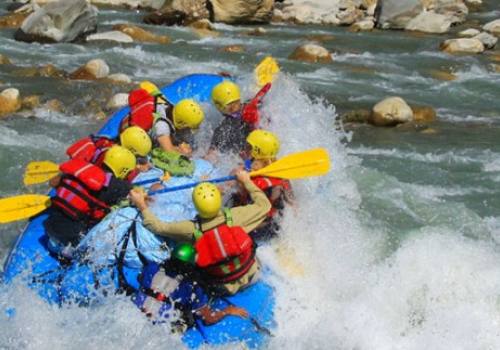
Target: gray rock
x=61 y=21
x=493 y=27
x=429 y=22
x=113 y=35
x=469 y=33
x=489 y=41
x=396 y=14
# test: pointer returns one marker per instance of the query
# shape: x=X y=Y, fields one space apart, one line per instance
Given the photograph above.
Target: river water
x=397 y=248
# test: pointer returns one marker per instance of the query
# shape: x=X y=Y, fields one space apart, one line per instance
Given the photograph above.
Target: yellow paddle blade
x=314 y=162
x=22 y=207
x=266 y=71
x=38 y=172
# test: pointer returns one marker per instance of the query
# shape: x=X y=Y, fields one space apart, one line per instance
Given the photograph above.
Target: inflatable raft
x=88 y=283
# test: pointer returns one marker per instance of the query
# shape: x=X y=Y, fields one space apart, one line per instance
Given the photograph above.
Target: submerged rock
x=493 y=27
x=113 y=35
x=61 y=21
x=117 y=101
x=10 y=101
x=54 y=105
x=259 y=31
x=357 y=116
x=311 y=53
x=141 y=35
x=93 y=69
x=204 y=28
x=442 y=75
x=30 y=102
x=13 y=20
x=364 y=25
x=242 y=11
x=4 y=59
x=47 y=71
x=390 y=112
x=489 y=41
x=233 y=48
x=463 y=45
x=397 y=14
x=423 y=114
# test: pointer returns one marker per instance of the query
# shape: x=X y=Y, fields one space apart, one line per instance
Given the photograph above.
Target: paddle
x=314 y=162
x=22 y=207
x=266 y=70
x=43 y=171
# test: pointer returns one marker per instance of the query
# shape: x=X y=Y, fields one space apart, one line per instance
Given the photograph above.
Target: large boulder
x=179 y=12
x=311 y=53
x=92 y=70
x=493 y=27
x=10 y=101
x=152 y=4
x=489 y=41
x=242 y=11
x=141 y=35
x=429 y=22
x=462 y=46
x=391 y=111
x=336 y=12
x=61 y=21
x=397 y=14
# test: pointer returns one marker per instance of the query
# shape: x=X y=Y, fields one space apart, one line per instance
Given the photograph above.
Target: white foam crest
x=445 y=114
x=11 y=137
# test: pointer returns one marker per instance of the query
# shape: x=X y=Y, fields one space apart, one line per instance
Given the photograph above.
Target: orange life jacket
x=225 y=252
x=90 y=149
x=76 y=193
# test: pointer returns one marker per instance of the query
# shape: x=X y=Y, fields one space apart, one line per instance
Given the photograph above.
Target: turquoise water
x=399 y=244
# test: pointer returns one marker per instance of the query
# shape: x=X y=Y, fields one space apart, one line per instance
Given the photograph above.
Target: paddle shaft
x=191 y=185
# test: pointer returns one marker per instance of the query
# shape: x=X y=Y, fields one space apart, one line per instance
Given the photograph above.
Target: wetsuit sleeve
x=252 y=215
x=115 y=191
x=179 y=231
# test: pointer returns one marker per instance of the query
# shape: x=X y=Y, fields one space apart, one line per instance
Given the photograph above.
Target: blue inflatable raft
x=84 y=282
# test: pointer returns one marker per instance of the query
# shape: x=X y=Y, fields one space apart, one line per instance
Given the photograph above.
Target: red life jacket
x=266 y=184
x=142 y=109
x=250 y=111
x=76 y=193
x=90 y=149
x=225 y=252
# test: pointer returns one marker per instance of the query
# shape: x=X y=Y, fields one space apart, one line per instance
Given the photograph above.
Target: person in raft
x=262 y=149
x=231 y=266
x=92 y=149
x=173 y=291
x=239 y=119
x=84 y=195
x=170 y=127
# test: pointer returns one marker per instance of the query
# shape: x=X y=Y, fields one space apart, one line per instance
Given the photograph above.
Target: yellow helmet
x=188 y=114
x=136 y=140
x=225 y=93
x=207 y=200
x=120 y=160
x=265 y=144
x=150 y=87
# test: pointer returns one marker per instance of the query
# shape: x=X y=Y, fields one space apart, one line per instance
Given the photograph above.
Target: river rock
x=364 y=25
x=493 y=27
x=204 y=28
x=13 y=20
x=312 y=53
x=357 y=116
x=10 y=101
x=397 y=14
x=54 y=105
x=390 y=112
x=30 y=102
x=141 y=35
x=119 y=78
x=93 y=69
x=117 y=101
x=442 y=75
x=242 y=11
x=423 y=114
x=469 y=33
x=4 y=59
x=463 y=45
x=148 y=4
x=113 y=35
x=489 y=41
x=179 y=12
x=429 y=22
x=233 y=49
x=61 y=21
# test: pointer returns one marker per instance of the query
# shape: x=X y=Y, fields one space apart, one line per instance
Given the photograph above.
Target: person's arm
x=210 y=316
x=166 y=144
x=250 y=216
x=180 y=231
